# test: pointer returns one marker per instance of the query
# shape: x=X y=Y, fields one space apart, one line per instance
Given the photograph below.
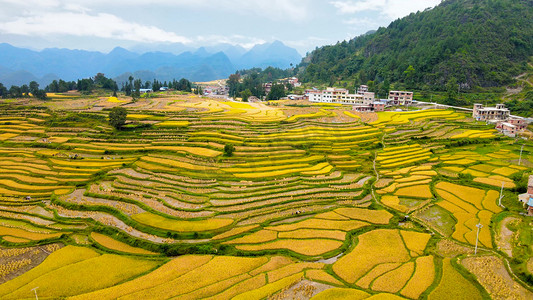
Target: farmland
x=313 y=201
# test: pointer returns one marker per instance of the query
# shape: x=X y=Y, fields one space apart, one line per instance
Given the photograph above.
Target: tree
x=371 y=86
x=53 y=87
x=452 y=88
x=245 y=95
x=184 y=85
x=3 y=91
x=137 y=85
x=233 y=84
x=290 y=87
x=85 y=85
x=277 y=92
x=25 y=90
x=117 y=117
x=385 y=88
x=14 y=92
x=409 y=74
x=34 y=87
x=228 y=150
x=40 y=94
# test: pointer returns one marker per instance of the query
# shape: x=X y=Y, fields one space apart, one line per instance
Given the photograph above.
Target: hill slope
x=476 y=42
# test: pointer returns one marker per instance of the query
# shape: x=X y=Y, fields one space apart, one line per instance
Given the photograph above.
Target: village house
x=297 y=97
x=294 y=82
x=374 y=106
x=507 y=129
x=491 y=113
x=253 y=99
x=527 y=198
x=267 y=87
x=378 y=106
x=216 y=90
x=512 y=127
x=400 y=98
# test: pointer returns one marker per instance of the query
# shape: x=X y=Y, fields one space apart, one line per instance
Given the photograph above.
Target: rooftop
x=524 y=198
x=509 y=125
x=493 y=109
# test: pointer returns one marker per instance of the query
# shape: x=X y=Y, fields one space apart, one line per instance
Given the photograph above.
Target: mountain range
x=20 y=66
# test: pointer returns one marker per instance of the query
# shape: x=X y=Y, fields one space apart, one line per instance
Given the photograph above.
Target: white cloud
x=391 y=9
x=274 y=9
x=365 y=22
x=296 y=10
x=352 y=7
x=243 y=41
x=100 y=25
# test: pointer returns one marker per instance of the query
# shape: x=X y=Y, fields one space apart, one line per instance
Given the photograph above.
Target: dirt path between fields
x=504 y=237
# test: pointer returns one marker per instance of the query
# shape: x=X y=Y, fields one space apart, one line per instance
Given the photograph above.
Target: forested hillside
x=464 y=43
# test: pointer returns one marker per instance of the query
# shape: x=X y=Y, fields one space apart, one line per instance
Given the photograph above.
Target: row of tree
x=24 y=91
x=134 y=86
x=88 y=85
x=252 y=84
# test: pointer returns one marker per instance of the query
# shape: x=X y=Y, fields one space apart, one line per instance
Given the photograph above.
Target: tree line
x=133 y=86
x=25 y=91
x=247 y=83
x=88 y=85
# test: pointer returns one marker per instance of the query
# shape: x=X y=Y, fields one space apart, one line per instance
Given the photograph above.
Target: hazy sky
x=104 y=24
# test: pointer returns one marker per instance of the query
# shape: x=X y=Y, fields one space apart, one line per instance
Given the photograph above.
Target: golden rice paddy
x=181 y=225
x=312 y=196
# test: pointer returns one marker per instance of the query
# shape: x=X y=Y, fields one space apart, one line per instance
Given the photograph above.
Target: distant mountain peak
x=202 y=64
x=118 y=50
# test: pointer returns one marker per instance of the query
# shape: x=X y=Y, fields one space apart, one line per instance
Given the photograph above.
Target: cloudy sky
x=104 y=24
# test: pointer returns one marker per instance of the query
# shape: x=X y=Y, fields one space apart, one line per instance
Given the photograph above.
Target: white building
x=341 y=96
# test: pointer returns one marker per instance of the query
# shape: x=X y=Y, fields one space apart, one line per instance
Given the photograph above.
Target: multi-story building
x=340 y=96
x=491 y=113
x=400 y=98
x=362 y=89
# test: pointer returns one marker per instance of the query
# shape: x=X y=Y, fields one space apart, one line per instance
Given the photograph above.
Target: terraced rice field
x=313 y=201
